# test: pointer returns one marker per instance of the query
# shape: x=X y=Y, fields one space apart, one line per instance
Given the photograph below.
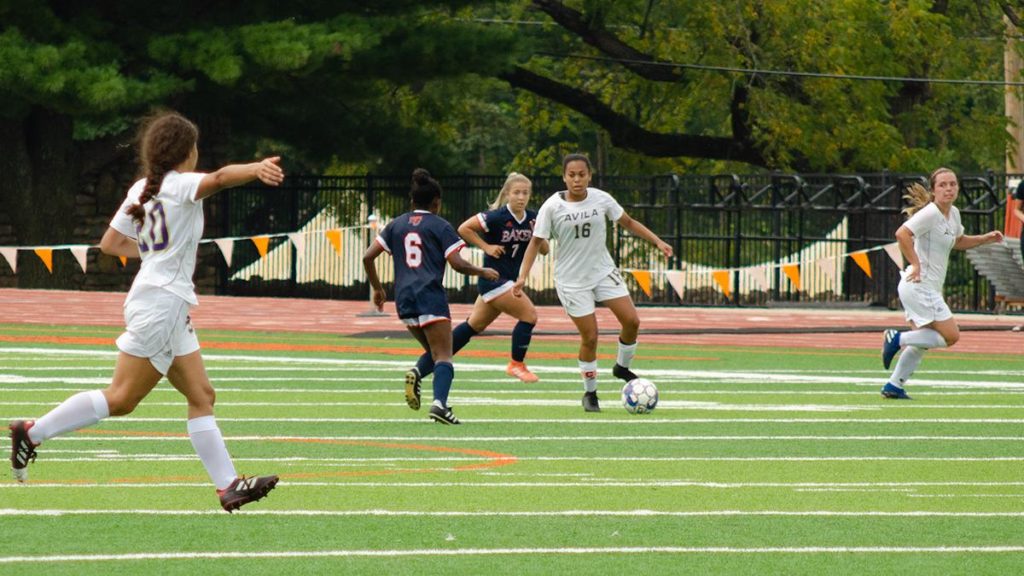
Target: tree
x=321 y=80
x=628 y=67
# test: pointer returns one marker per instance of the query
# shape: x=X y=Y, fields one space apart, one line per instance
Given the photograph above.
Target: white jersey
x=169 y=236
x=934 y=236
x=580 y=230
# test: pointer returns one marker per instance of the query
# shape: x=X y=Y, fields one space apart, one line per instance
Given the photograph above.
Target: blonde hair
x=918 y=196
x=512 y=179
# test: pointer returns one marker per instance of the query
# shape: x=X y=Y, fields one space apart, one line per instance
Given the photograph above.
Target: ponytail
x=917 y=197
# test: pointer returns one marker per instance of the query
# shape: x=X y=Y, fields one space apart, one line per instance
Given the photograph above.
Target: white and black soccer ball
x=639 y=396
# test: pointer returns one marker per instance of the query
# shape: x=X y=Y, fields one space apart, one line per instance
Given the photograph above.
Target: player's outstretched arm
x=968 y=242
x=462 y=266
x=638 y=229
x=267 y=171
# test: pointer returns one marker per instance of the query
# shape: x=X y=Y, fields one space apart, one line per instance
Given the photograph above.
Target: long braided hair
x=167 y=141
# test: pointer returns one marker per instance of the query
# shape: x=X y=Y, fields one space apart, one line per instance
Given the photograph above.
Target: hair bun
x=420 y=176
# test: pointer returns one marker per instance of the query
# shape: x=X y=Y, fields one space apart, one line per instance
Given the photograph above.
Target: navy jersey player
x=420 y=243
x=503 y=233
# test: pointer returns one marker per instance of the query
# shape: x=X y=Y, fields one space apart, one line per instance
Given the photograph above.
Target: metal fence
x=757 y=229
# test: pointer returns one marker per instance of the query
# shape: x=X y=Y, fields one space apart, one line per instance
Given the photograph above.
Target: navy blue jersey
x=420 y=242
x=503 y=229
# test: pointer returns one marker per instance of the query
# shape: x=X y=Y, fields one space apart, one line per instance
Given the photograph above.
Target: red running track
x=791 y=327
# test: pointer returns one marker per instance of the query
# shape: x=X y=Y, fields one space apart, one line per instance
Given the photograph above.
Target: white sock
x=81 y=410
x=909 y=360
x=922 y=338
x=209 y=445
x=588 y=370
x=626 y=353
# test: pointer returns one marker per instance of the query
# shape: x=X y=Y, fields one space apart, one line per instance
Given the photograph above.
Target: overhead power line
x=758 y=71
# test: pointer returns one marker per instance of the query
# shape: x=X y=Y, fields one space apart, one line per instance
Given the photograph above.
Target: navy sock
x=444 y=373
x=521 y=335
x=425 y=365
x=461 y=336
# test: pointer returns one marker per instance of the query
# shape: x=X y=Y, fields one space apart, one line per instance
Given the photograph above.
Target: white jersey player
x=585 y=274
x=926 y=239
x=160 y=221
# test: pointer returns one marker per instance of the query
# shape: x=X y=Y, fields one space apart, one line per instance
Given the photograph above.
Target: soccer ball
x=639 y=396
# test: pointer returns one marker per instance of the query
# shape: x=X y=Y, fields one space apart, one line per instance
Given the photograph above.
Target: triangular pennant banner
x=759 y=277
x=675 y=279
x=262 y=243
x=299 y=240
x=227 y=247
x=893 y=250
x=722 y=278
x=79 y=252
x=643 y=278
x=11 y=255
x=861 y=258
x=46 y=255
x=124 y=260
x=828 y=269
x=334 y=236
x=793 y=273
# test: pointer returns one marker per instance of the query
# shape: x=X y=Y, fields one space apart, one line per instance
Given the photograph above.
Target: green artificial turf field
x=756 y=461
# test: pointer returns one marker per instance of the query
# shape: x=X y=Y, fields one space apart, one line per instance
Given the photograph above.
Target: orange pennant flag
x=643 y=278
x=793 y=273
x=46 y=255
x=261 y=242
x=861 y=258
x=124 y=261
x=722 y=277
x=334 y=236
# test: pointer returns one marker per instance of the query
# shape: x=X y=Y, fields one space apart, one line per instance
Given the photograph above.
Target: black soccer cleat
x=23 y=450
x=412 y=388
x=590 y=403
x=623 y=373
x=244 y=490
x=443 y=415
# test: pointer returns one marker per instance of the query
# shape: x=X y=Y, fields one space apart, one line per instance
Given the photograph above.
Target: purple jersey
x=503 y=229
x=420 y=242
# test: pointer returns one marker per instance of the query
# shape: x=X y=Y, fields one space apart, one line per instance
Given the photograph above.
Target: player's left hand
x=994 y=236
x=269 y=172
x=379 y=298
x=665 y=248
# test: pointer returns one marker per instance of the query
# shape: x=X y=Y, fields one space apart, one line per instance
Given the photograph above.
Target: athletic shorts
x=157 y=327
x=424 y=320
x=578 y=303
x=922 y=304
x=495 y=292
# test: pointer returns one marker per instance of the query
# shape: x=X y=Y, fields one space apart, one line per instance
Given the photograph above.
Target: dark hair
x=166 y=140
x=424 y=189
x=573 y=158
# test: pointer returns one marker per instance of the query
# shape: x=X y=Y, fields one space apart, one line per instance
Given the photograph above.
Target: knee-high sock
x=461 y=336
x=81 y=410
x=444 y=373
x=922 y=338
x=588 y=370
x=626 y=353
x=209 y=445
x=905 y=366
x=521 y=336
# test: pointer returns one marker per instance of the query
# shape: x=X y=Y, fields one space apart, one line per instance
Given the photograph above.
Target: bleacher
x=1001 y=263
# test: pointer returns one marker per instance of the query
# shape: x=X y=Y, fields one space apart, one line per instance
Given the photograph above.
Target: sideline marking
x=304 y=554
x=525 y=514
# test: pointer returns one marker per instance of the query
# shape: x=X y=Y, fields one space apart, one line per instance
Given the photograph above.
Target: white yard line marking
x=368 y=461
x=684 y=438
x=523 y=514
x=306 y=554
x=642 y=421
x=595 y=483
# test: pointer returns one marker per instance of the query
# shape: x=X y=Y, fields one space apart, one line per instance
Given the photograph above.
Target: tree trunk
x=39 y=189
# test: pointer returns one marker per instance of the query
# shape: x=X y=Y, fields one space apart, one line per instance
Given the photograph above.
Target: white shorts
x=578 y=303
x=157 y=327
x=922 y=304
x=492 y=294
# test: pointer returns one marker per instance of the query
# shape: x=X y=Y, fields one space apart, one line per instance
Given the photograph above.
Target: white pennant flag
x=79 y=252
x=759 y=276
x=11 y=255
x=299 y=241
x=893 y=250
x=227 y=247
x=828 y=268
x=676 y=278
